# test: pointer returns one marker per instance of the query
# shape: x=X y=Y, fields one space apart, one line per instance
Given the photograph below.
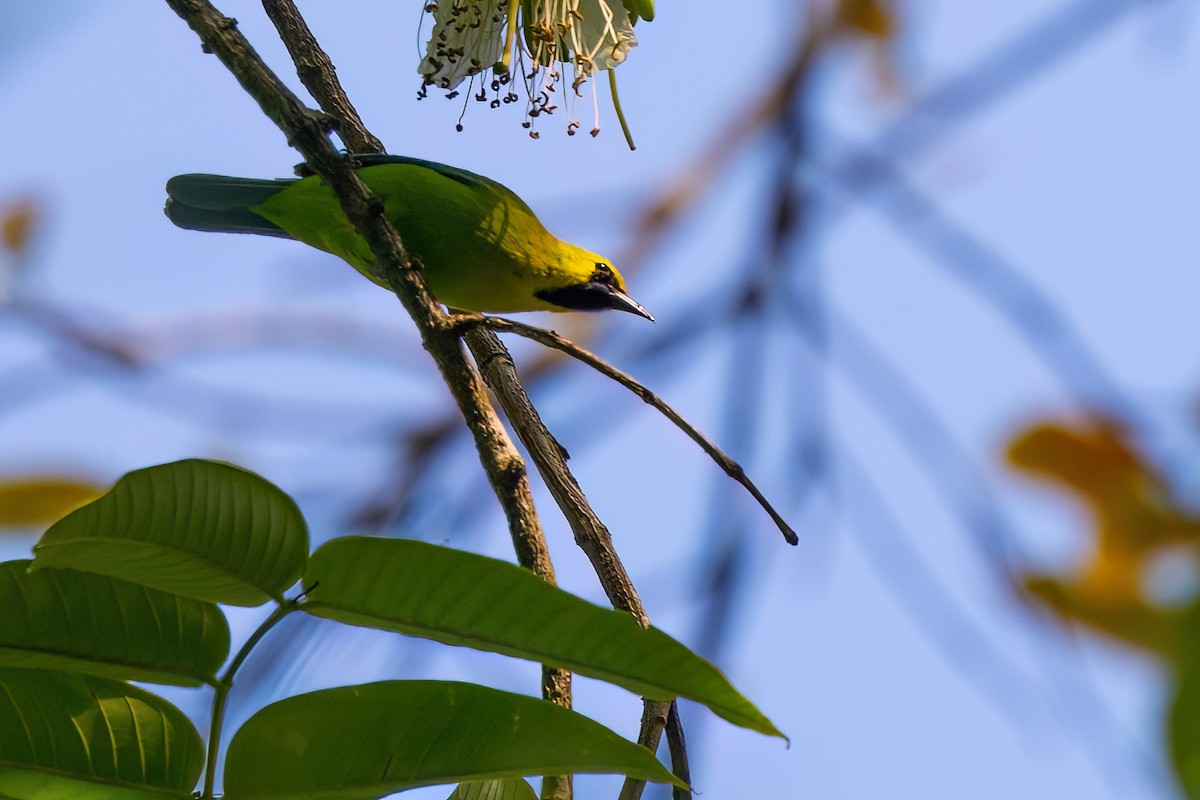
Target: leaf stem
x=510 y=31
x=225 y=683
x=612 y=87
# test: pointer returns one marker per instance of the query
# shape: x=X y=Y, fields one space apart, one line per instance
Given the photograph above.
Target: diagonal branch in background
x=93 y=333
x=983 y=83
x=998 y=678
x=991 y=78
x=998 y=282
x=929 y=603
x=771 y=243
x=927 y=439
x=669 y=207
x=976 y=87
x=130 y=363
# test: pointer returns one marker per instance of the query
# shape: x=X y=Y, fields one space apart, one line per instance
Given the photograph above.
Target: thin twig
x=552 y=339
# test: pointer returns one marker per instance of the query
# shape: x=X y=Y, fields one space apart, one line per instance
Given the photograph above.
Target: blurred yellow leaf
x=18 y=221
x=1134 y=518
x=1147 y=627
x=1094 y=458
x=30 y=502
x=1091 y=456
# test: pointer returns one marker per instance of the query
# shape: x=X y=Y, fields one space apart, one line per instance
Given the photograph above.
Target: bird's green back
x=481 y=246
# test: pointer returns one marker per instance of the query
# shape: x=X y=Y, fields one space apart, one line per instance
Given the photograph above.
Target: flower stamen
x=473 y=37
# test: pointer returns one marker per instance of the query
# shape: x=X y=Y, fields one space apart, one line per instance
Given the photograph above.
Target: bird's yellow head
x=593 y=285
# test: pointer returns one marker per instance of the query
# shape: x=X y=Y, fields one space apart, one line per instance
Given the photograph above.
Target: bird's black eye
x=603 y=274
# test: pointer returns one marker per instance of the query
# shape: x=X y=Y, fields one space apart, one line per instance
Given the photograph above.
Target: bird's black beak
x=594 y=296
x=623 y=302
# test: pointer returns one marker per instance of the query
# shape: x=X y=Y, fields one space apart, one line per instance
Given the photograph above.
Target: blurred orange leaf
x=1134 y=517
x=874 y=18
x=876 y=21
x=1092 y=456
x=1129 y=498
x=29 y=502
x=18 y=221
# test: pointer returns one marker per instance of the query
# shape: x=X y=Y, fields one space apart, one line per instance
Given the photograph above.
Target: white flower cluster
x=532 y=41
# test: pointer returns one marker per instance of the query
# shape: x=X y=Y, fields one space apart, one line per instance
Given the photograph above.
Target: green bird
x=481 y=247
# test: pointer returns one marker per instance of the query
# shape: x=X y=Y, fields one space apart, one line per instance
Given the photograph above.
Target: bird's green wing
x=453 y=173
x=482 y=186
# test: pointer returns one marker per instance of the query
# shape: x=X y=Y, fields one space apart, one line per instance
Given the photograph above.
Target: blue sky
x=1085 y=180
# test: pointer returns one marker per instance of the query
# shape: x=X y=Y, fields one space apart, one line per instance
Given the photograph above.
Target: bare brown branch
x=319 y=76
x=552 y=339
x=307 y=131
x=590 y=532
x=317 y=73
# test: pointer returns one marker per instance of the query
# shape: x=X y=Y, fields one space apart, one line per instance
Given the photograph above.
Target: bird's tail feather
x=222 y=204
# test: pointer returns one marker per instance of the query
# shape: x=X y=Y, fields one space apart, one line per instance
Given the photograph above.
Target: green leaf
x=201 y=529
x=465 y=599
x=1183 y=718
x=79 y=622
x=1183 y=726
x=497 y=789
x=640 y=8
x=86 y=738
x=365 y=742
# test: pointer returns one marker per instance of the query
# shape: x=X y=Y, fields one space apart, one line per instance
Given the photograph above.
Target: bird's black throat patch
x=596 y=294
